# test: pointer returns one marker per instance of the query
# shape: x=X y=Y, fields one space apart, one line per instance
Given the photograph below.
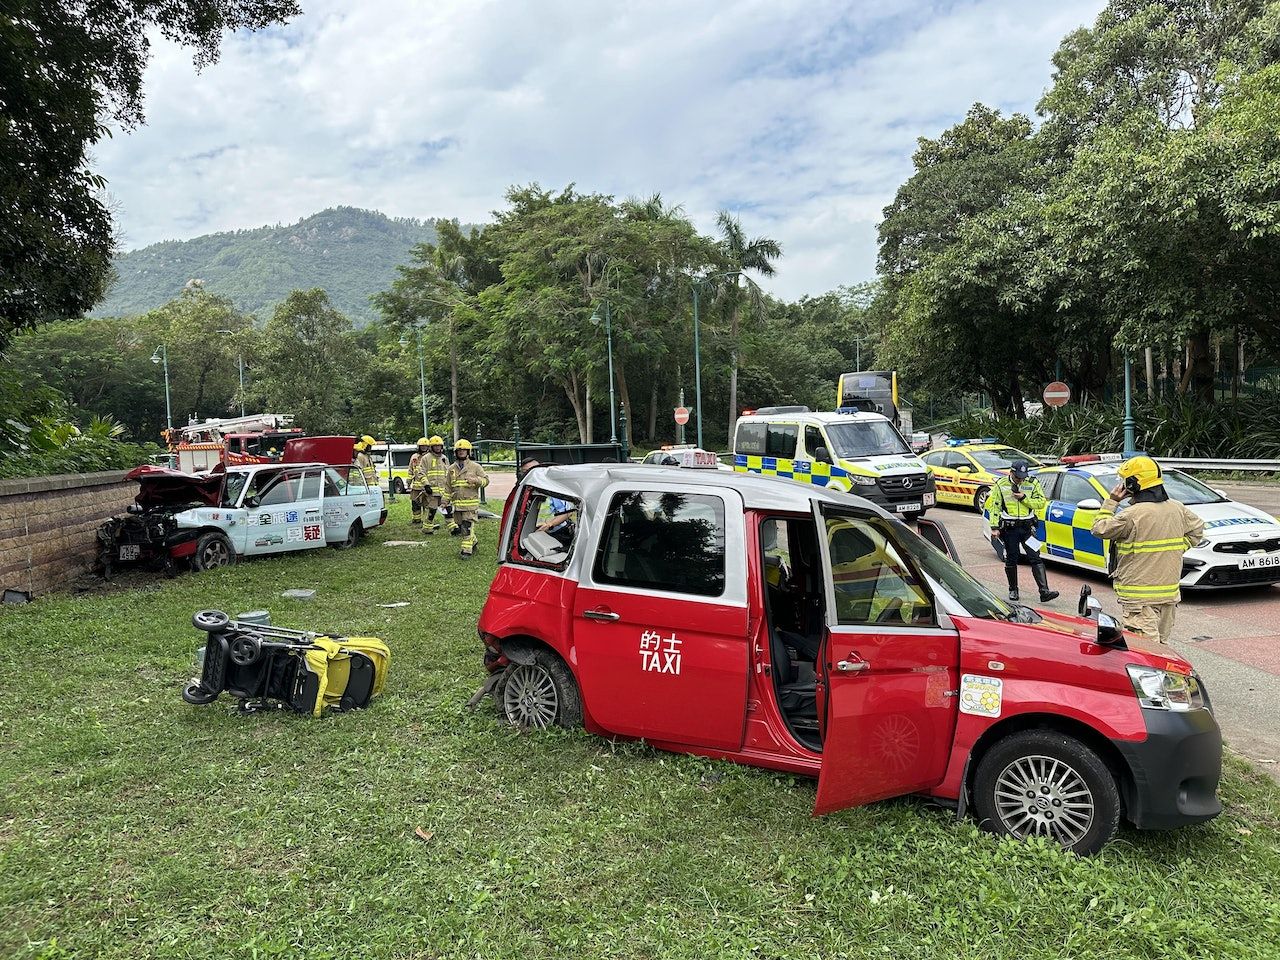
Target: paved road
x=1232 y=637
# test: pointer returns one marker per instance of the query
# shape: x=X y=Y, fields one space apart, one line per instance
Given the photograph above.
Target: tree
x=736 y=255
x=307 y=363
x=68 y=68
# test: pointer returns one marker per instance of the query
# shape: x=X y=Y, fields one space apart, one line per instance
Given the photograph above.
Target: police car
x=966 y=470
x=861 y=453
x=1241 y=544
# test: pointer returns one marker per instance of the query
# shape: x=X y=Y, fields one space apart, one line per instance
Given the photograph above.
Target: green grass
x=134 y=825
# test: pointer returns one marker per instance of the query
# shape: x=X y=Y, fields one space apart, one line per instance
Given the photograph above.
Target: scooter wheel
x=196 y=694
x=210 y=621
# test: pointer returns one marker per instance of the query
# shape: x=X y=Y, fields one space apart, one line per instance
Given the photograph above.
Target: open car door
x=888 y=669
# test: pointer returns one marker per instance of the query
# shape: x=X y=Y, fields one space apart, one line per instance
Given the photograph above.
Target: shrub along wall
x=48 y=526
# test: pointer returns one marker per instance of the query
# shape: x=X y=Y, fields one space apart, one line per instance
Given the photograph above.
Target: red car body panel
x=895 y=728
x=335 y=451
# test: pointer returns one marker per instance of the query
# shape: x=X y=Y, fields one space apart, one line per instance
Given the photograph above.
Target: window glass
x=283 y=488
x=750 y=438
x=311 y=486
x=873 y=584
x=664 y=541
x=335 y=481
x=546 y=527
x=1076 y=488
x=401 y=458
x=935 y=459
x=1001 y=458
x=956 y=460
x=355 y=480
x=870 y=438
x=232 y=487
x=1049 y=483
x=781 y=440
x=1180 y=486
x=813 y=440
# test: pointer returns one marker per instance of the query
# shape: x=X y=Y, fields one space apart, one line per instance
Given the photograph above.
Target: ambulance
x=861 y=453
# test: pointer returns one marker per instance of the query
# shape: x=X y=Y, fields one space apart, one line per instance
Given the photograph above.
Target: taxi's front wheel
x=539 y=694
x=1041 y=783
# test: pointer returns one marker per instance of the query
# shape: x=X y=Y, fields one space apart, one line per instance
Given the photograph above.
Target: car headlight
x=1163 y=690
x=862 y=481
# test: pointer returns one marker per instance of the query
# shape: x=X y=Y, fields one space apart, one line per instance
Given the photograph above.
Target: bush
x=1247 y=429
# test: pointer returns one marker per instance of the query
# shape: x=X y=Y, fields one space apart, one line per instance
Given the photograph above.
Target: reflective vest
x=1001 y=504
x=462 y=484
x=365 y=463
x=1149 y=539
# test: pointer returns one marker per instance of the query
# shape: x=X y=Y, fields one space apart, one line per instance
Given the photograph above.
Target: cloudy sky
x=800 y=116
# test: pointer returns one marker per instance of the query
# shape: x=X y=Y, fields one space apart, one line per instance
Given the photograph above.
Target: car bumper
x=923 y=494
x=1174 y=772
x=1208 y=569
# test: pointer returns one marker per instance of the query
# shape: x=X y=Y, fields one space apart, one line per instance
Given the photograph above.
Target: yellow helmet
x=462 y=445
x=365 y=442
x=424 y=442
x=1140 y=473
x=436 y=440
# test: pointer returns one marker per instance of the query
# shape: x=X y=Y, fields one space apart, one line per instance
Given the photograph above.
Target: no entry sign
x=1057 y=393
x=682 y=415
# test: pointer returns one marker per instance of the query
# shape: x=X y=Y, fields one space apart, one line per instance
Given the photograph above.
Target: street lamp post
x=1130 y=440
x=240 y=368
x=162 y=356
x=697 y=347
x=422 y=376
x=608 y=334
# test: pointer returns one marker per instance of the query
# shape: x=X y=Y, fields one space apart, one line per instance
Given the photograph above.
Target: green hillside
x=351 y=253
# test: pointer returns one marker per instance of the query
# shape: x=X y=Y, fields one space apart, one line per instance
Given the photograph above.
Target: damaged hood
x=162 y=487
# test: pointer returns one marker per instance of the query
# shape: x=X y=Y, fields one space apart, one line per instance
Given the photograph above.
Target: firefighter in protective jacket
x=1013 y=506
x=364 y=461
x=463 y=482
x=1148 y=540
x=431 y=466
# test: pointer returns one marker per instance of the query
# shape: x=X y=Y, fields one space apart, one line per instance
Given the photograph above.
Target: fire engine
x=234 y=441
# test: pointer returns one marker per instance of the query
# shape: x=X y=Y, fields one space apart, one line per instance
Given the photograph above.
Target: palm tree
x=737 y=256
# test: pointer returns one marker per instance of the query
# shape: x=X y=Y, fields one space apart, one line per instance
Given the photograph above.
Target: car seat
x=796 y=691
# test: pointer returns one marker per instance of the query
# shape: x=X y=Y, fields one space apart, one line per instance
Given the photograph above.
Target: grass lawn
x=134 y=825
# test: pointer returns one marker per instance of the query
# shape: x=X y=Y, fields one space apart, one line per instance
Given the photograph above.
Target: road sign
x=1057 y=393
x=682 y=415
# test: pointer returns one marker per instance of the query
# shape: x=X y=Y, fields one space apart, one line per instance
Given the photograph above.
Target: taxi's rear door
x=888 y=669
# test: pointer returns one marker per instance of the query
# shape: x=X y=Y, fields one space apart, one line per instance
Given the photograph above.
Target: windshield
x=872 y=438
x=231 y=489
x=973 y=596
x=1181 y=487
x=1001 y=458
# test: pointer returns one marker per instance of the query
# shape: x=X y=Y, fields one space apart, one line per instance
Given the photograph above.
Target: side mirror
x=1109 y=632
x=964 y=468
x=822 y=455
x=1221 y=493
x=1091 y=504
x=251 y=502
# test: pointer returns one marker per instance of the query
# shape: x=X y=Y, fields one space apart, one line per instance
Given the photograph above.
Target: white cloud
x=800 y=115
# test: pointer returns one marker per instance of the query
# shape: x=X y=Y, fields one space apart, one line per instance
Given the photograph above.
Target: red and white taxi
x=795 y=628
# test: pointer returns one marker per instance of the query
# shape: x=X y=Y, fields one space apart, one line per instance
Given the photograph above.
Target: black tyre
x=397 y=486
x=245 y=650
x=912 y=517
x=213 y=550
x=210 y=621
x=1044 y=783
x=980 y=498
x=354 y=534
x=539 y=694
x=195 y=694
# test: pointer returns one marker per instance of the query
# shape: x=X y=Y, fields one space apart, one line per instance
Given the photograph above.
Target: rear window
x=664 y=541
x=750 y=438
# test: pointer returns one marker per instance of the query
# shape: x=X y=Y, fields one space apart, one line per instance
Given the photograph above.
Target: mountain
x=351 y=253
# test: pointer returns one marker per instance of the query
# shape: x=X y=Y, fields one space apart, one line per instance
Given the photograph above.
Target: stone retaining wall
x=48 y=527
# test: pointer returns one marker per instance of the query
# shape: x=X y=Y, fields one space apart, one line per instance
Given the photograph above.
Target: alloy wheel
x=1043 y=796
x=529 y=696
x=215 y=554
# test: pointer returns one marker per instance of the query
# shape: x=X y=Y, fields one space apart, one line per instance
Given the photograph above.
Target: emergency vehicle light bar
x=960 y=441
x=1076 y=458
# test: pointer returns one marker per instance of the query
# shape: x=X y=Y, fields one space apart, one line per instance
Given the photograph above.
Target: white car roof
x=814 y=417
x=585 y=482
x=254 y=467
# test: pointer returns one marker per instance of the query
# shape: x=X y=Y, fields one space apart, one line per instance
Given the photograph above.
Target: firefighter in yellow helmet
x=1148 y=539
x=463 y=482
x=364 y=461
x=427 y=471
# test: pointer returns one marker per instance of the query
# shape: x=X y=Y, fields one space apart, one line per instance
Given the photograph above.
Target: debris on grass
x=405 y=543
x=398 y=603
x=423 y=835
x=299 y=594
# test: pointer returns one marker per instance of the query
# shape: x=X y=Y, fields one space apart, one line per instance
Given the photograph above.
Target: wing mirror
x=1091 y=504
x=964 y=468
x=1109 y=632
x=251 y=502
x=822 y=455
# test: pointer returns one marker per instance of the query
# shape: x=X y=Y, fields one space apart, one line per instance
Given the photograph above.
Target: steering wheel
x=246 y=648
